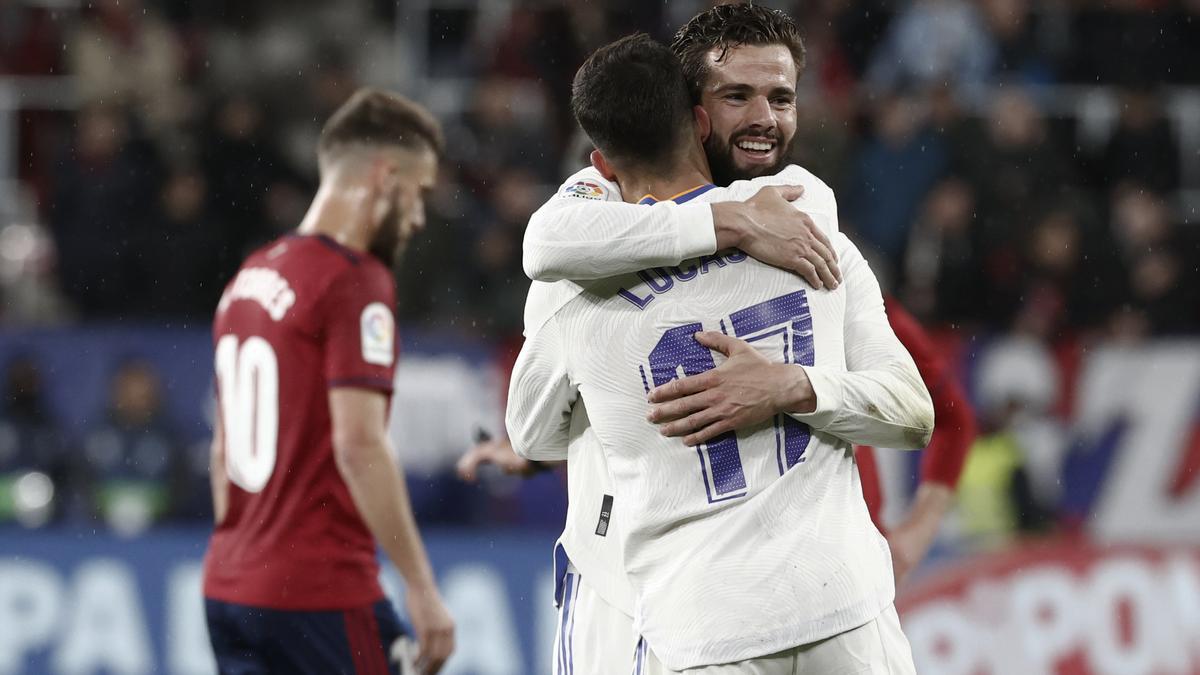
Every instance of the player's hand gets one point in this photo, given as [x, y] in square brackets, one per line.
[770, 229]
[433, 626]
[911, 540]
[744, 390]
[494, 451]
[907, 552]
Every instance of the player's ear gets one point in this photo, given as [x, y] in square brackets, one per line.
[602, 165]
[703, 123]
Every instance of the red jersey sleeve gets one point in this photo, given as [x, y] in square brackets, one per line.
[359, 329]
[954, 425]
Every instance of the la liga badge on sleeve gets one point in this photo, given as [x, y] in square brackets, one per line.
[586, 189]
[378, 334]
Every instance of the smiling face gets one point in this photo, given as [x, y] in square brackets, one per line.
[750, 97]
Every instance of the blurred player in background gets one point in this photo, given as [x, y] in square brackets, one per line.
[784, 508]
[304, 477]
[941, 461]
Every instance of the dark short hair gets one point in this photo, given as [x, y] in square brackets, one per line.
[728, 26]
[373, 117]
[632, 102]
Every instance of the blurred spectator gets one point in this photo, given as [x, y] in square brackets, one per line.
[135, 465]
[894, 169]
[1018, 172]
[34, 485]
[328, 80]
[241, 168]
[1121, 42]
[1012, 159]
[1020, 55]
[942, 279]
[498, 285]
[934, 43]
[29, 292]
[828, 69]
[504, 129]
[183, 259]
[29, 41]
[430, 292]
[1185, 66]
[1162, 291]
[859, 27]
[102, 200]
[123, 54]
[1011, 479]
[1143, 147]
[824, 138]
[995, 502]
[1069, 275]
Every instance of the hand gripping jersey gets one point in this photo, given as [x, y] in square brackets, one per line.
[756, 541]
[302, 315]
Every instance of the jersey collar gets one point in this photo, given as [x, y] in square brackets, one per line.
[682, 197]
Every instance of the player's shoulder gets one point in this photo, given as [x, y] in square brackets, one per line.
[317, 265]
[323, 260]
[588, 185]
[546, 299]
[816, 191]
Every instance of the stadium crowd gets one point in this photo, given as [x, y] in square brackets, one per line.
[1013, 169]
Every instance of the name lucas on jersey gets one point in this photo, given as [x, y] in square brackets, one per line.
[660, 280]
[264, 286]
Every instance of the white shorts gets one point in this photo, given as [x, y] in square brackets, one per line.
[875, 648]
[593, 637]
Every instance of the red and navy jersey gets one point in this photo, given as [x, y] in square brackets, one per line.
[302, 315]
[954, 421]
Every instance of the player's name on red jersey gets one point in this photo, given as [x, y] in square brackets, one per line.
[264, 286]
[303, 314]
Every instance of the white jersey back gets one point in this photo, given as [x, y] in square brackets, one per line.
[756, 541]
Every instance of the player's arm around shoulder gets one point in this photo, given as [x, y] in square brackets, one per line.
[587, 231]
[786, 221]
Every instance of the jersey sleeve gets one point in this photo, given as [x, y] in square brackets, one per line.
[879, 399]
[954, 420]
[585, 231]
[359, 330]
[540, 397]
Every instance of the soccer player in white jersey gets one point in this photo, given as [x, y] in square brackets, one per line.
[752, 552]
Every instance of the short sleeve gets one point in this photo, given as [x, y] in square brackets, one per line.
[359, 329]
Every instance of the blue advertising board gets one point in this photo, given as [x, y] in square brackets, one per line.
[82, 602]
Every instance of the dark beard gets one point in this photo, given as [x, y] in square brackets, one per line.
[725, 171]
[386, 245]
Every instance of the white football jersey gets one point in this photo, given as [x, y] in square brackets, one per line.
[758, 540]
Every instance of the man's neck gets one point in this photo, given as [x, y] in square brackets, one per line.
[336, 212]
[664, 185]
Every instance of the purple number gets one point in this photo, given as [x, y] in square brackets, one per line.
[677, 354]
[772, 318]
